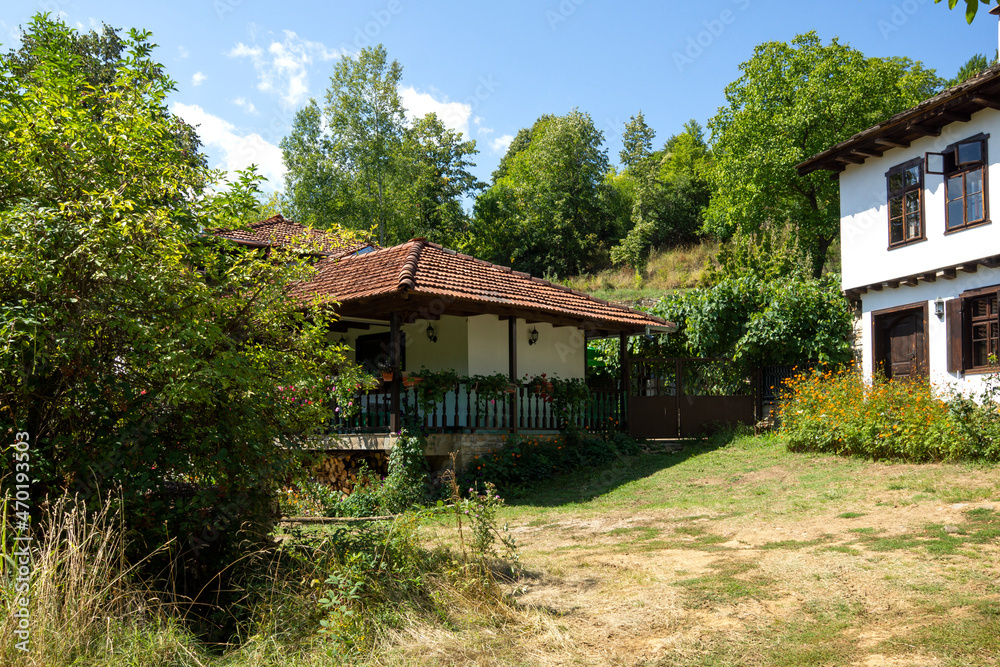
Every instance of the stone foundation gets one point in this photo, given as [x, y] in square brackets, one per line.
[466, 446]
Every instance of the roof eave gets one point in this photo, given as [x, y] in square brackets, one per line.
[955, 104]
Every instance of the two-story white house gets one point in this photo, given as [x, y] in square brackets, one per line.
[920, 254]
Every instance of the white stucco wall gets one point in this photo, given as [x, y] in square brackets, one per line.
[560, 351]
[864, 231]
[451, 351]
[478, 346]
[937, 342]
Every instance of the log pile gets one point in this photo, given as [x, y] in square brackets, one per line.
[339, 470]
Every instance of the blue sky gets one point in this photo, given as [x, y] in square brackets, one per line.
[243, 67]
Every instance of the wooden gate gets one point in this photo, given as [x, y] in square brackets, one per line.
[681, 398]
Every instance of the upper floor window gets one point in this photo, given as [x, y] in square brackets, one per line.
[964, 167]
[904, 184]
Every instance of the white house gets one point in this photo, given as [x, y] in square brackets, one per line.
[419, 305]
[920, 255]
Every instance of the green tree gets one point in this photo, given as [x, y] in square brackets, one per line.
[136, 352]
[548, 213]
[792, 101]
[971, 68]
[355, 163]
[637, 143]
[669, 193]
[317, 188]
[440, 179]
[366, 120]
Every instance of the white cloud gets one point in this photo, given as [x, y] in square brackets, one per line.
[501, 144]
[246, 105]
[238, 151]
[454, 115]
[198, 79]
[13, 34]
[182, 52]
[283, 68]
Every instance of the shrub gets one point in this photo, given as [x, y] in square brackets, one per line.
[406, 484]
[837, 411]
[524, 460]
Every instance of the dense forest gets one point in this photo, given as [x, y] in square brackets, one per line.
[556, 204]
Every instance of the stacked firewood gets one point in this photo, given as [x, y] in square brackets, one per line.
[340, 470]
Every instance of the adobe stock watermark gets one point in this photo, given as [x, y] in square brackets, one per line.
[899, 17]
[21, 555]
[704, 39]
[562, 12]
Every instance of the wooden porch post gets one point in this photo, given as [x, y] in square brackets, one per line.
[623, 362]
[512, 368]
[394, 359]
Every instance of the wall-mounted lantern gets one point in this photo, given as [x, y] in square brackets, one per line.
[939, 308]
[431, 334]
[533, 336]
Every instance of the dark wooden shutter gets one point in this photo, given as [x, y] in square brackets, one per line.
[954, 331]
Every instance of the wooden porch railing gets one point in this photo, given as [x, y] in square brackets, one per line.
[464, 410]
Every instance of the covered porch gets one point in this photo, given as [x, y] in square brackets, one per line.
[421, 307]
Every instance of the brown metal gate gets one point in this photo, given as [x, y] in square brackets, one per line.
[686, 397]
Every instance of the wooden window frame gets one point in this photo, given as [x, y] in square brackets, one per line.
[959, 321]
[954, 169]
[901, 193]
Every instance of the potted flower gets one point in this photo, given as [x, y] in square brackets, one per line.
[433, 386]
[410, 381]
[491, 387]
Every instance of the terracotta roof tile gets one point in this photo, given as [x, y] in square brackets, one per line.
[277, 231]
[421, 267]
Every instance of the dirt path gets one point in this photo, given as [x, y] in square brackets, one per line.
[669, 587]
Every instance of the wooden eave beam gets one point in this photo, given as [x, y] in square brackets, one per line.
[892, 284]
[875, 287]
[969, 268]
[850, 159]
[955, 116]
[910, 281]
[929, 277]
[925, 130]
[987, 101]
[867, 152]
[948, 274]
[893, 143]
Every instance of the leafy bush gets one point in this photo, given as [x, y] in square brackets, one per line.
[138, 352]
[406, 483]
[524, 460]
[836, 411]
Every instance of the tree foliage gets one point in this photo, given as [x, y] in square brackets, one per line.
[548, 209]
[355, 162]
[668, 190]
[971, 68]
[137, 352]
[439, 178]
[761, 308]
[971, 7]
[794, 100]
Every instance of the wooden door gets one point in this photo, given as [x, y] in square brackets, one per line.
[901, 343]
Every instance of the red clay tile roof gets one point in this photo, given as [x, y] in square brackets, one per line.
[419, 267]
[277, 231]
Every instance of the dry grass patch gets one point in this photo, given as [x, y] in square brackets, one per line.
[747, 554]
